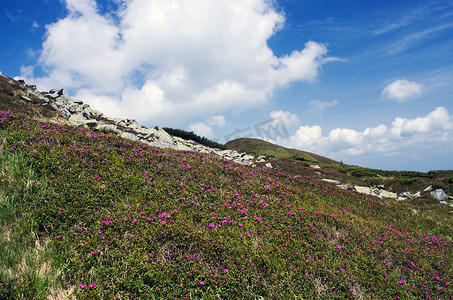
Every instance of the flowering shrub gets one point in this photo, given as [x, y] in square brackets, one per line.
[133, 221]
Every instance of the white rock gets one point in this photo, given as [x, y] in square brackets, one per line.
[77, 119]
[315, 167]
[335, 182]
[25, 98]
[429, 188]
[107, 127]
[439, 194]
[362, 189]
[268, 165]
[387, 194]
[129, 136]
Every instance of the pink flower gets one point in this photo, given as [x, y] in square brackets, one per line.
[201, 282]
[401, 282]
[211, 225]
[342, 270]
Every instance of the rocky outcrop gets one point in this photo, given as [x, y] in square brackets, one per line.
[80, 114]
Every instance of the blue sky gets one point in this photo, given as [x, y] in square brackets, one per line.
[366, 82]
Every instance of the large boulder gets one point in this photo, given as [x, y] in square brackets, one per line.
[362, 189]
[387, 194]
[129, 136]
[439, 194]
[77, 119]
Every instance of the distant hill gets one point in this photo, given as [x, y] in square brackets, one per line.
[91, 213]
[260, 147]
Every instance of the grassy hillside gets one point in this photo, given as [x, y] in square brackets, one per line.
[89, 214]
[260, 147]
[298, 162]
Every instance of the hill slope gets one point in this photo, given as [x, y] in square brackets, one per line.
[88, 213]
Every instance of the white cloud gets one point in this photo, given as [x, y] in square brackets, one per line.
[202, 129]
[35, 25]
[185, 57]
[218, 121]
[433, 131]
[288, 118]
[319, 106]
[402, 90]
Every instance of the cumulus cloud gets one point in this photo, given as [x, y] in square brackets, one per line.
[218, 121]
[402, 90]
[288, 118]
[183, 58]
[433, 130]
[202, 129]
[319, 106]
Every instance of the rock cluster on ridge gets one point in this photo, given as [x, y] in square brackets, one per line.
[79, 114]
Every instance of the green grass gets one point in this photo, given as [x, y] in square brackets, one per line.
[28, 265]
[127, 220]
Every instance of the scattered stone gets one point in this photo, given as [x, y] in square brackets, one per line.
[334, 182]
[443, 202]
[439, 194]
[268, 165]
[429, 188]
[343, 186]
[315, 167]
[417, 194]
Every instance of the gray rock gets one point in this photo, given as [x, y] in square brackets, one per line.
[334, 182]
[343, 186]
[52, 96]
[429, 188]
[362, 189]
[64, 112]
[407, 195]
[75, 109]
[91, 123]
[107, 127]
[443, 202]
[77, 119]
[439, 194]
[129, 136]
[88, 112]
[25, 98]
[387, 194]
